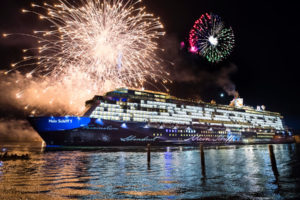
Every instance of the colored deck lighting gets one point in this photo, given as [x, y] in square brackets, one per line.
[146, 126]
[100, 122]
[124, 125]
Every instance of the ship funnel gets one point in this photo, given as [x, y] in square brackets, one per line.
[237, 102]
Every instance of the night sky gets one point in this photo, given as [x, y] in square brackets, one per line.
[263, 65]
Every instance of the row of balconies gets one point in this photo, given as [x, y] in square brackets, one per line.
[116, 110]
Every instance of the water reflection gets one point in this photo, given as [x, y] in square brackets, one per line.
[241, 172]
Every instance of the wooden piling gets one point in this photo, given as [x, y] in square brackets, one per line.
[148, 153]
[297, 139]
[202, 159]
[273, 161]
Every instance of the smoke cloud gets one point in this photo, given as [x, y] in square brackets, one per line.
[190, 69]
[223, 80]
[16, 131]
[45, 95]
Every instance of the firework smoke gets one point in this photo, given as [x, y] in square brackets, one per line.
[89, 48]
[16, 131]
[34, 94]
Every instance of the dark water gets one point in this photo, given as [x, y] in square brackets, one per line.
[232, 172]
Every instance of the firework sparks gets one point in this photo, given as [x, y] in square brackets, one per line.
[210, 39]
[90, 48]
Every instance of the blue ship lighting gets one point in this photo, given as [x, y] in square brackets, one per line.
[146, 126]
[59, 123]
[53, 146]
[124, 125]
[100, 122]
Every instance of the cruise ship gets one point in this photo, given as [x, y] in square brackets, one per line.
[139, 117]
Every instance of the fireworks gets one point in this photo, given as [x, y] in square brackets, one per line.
[92, 47]
[210, 39]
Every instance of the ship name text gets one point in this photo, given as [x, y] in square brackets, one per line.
[60, 121]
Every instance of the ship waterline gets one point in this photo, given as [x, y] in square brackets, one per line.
[135, 117]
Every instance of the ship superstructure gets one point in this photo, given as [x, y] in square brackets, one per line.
[133, 117]
[147, 106]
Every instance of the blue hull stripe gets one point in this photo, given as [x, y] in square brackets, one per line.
[44, 124]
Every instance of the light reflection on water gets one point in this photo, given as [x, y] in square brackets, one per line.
[235, 172]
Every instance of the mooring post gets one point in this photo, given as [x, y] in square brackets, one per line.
[273, 161]
[148, 152]
[202, 159]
